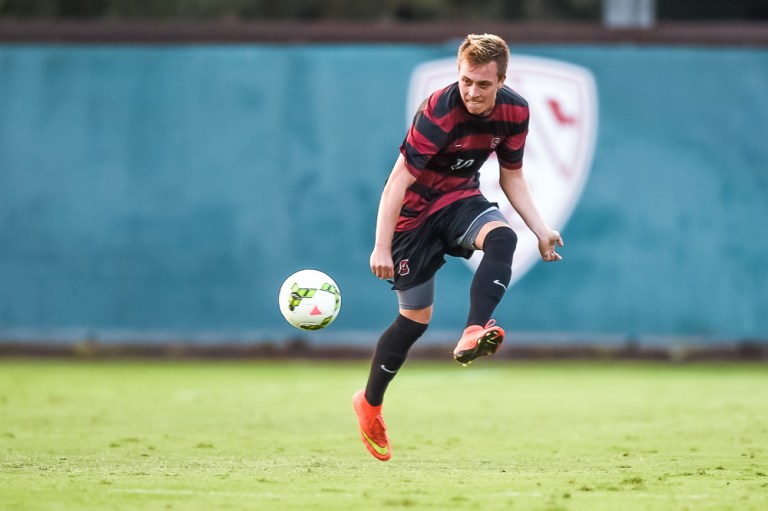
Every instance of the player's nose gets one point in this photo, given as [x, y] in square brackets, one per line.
[473, 92]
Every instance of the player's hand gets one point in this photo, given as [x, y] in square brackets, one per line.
[381, 263]
[548, 244]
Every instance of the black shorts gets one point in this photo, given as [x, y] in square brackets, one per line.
[420, 252]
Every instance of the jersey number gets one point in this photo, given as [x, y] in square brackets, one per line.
[462, 164]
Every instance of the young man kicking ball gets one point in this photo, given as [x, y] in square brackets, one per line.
[432, 206]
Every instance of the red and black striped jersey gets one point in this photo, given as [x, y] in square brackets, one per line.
[446, 146]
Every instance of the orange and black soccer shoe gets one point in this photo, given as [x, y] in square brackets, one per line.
[373, 431]
[478, 341]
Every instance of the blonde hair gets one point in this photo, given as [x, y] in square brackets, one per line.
[483, 49]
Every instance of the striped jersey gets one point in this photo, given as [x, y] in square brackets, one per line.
[446, 146]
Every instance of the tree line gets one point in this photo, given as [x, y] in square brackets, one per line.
[396, 10]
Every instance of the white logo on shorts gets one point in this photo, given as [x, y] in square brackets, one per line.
[561, 141]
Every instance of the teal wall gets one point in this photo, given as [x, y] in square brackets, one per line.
[151, 190]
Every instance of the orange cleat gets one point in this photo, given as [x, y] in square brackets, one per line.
[372, 429]
[478, 341]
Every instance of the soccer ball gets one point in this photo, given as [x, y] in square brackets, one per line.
[309, 300]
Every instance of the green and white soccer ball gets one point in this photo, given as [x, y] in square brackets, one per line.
[309, 300]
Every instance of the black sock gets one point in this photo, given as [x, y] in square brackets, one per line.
[390, 354]
[492, 275]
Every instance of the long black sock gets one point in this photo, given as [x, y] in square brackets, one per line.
[389, 356]
[492, 275]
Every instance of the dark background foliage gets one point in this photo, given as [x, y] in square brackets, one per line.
[398, 10]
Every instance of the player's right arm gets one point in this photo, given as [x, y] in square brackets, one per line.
[389, 210]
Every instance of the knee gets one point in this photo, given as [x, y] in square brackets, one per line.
[501, 243]
[423, 316]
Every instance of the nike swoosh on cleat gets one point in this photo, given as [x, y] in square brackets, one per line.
[376, 447]
[387, 370]
[499, 283]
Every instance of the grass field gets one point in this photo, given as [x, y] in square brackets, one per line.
[137, 435]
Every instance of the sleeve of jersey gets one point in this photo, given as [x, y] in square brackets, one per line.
[423, 141]
[510, 153]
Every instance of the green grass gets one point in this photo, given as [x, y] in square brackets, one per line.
[136, 435]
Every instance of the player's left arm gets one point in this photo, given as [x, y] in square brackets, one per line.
[516, 188]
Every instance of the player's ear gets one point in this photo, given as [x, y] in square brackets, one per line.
[502, 79]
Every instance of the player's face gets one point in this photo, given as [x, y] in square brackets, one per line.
[478, 86]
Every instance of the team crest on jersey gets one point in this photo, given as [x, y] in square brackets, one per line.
[403, 268]
[561, 139]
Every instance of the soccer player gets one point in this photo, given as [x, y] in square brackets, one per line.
[431, 206]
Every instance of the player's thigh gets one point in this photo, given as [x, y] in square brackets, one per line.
[415, 303]
[487, 228]
[417, 256]
[474, 224]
